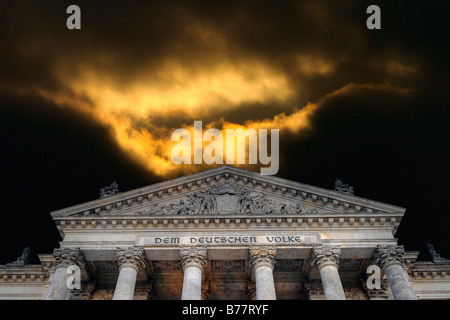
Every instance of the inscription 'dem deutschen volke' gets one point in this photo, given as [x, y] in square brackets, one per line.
[228, 240]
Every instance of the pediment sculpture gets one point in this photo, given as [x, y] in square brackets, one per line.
[226, 199]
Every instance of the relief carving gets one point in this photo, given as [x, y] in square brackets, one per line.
[262, 256]
[390, 254]
[85, 293]
[325, 255]
[193, 256]
[226, 199]
[131, 257]
[103, 294]
[67, 256]
[288, 265]
[166, 265]
[228, 265]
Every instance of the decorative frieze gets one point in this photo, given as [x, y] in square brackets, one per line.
[145, 221]
[288, 265]
[228, 265]
[241, 180]
[226, 198]
[432, 274]
[25, 276]
[166, 265]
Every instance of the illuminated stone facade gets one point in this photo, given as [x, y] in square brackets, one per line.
[228, 233]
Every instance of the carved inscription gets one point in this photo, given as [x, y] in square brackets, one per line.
[229, 240]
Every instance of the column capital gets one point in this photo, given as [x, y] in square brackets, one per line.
[193, 257]
[131, 257]
[387, 255]
[65, 257]
[325, 255]
[262, 255]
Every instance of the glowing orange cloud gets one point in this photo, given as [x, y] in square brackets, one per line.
[208, 87]
[151, 145]
[128, 111]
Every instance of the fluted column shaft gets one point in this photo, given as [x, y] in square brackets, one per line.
[262, 262]
[130, 261]
[64, 257]
[193, 262]
[390, 259]
[326, 260]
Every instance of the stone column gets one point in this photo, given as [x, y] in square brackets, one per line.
[64, 257]
[326, 260]
[390, 259]
[193, 262]
[130, 261]
[262, 262]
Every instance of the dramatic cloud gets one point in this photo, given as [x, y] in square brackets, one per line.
[82, 108]
[144, 71]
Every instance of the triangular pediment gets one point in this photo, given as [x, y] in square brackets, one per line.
[227, 190]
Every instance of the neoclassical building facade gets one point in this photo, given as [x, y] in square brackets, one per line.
[228, 233]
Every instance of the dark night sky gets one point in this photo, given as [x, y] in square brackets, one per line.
[82, 108]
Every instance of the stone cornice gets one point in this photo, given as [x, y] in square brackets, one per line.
[311, 220]
[430, 270]
[29, 273]
[410, 258]
[428, 274]
[294, 190]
